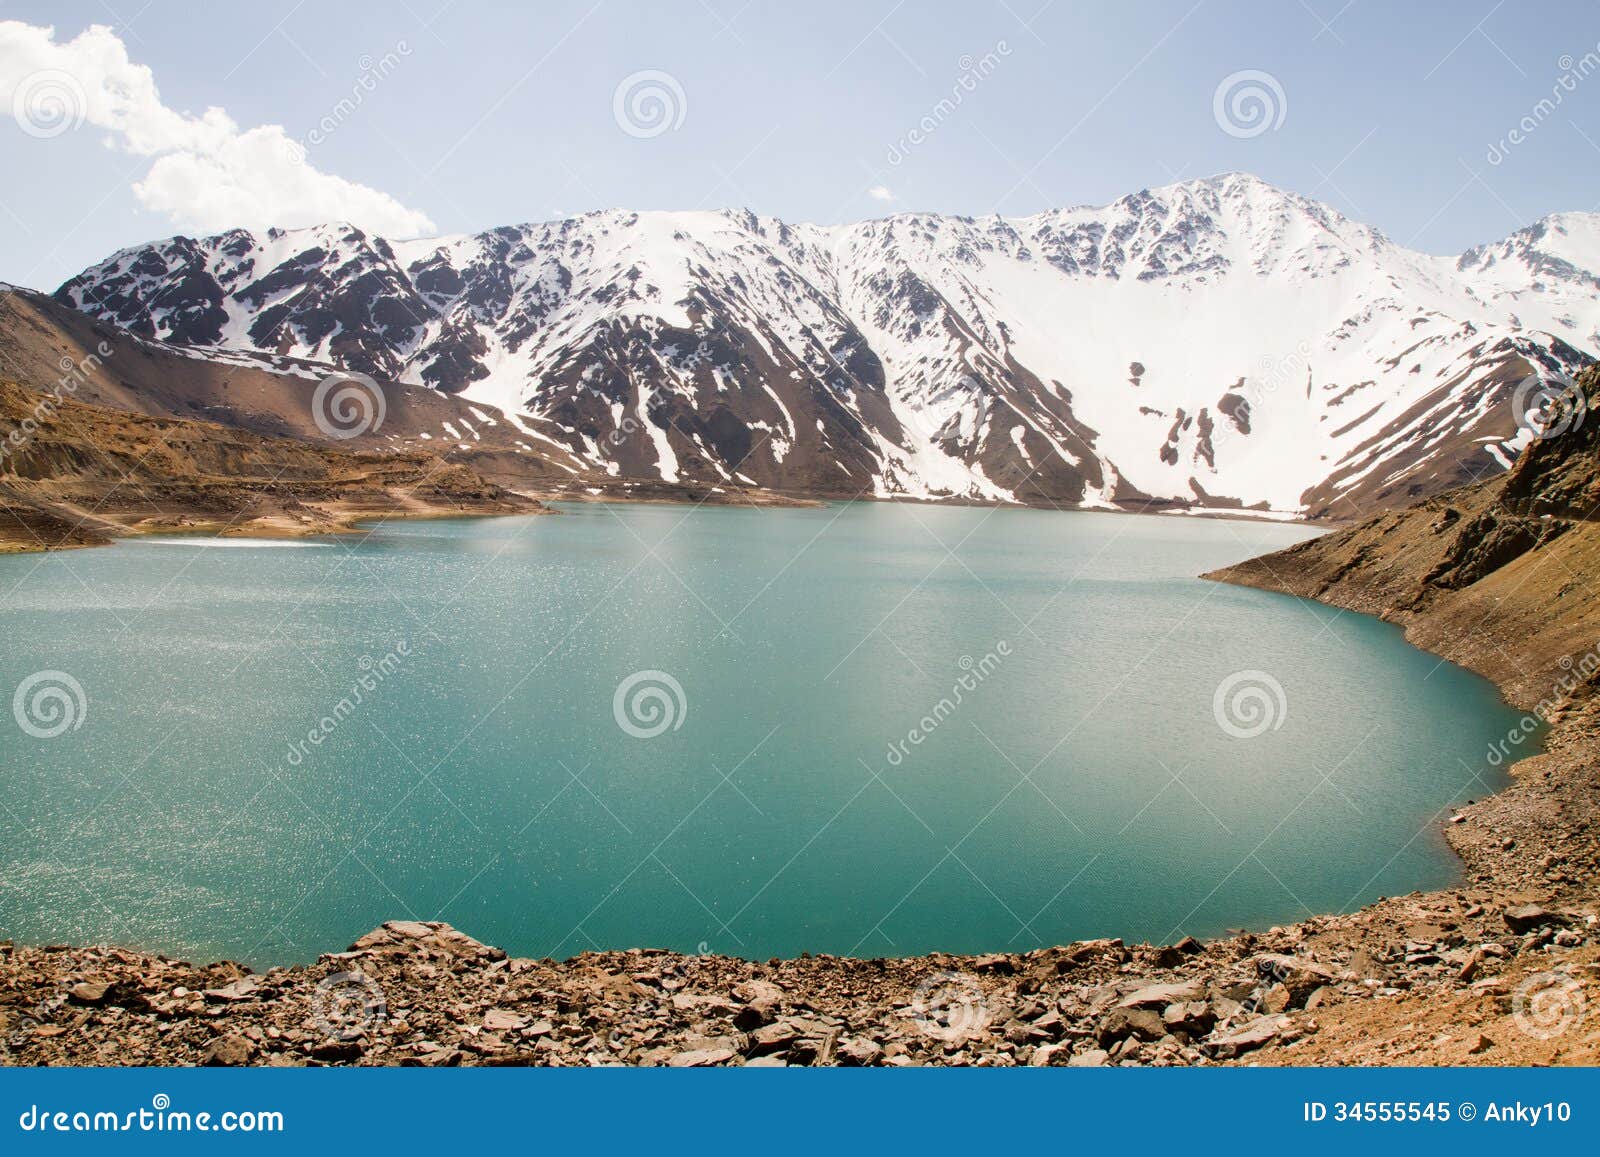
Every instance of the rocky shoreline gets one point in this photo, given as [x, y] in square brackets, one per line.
[1441, 978]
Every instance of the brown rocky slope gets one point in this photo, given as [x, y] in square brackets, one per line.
[48, 347]
[1502, 969]
[84, 474]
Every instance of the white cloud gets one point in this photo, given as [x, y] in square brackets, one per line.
[208, 174]
[880, 193]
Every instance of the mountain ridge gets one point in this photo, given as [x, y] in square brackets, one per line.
[1149, 353]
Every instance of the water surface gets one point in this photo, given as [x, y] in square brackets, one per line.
[816, 787]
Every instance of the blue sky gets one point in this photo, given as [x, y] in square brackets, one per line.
[495, 113]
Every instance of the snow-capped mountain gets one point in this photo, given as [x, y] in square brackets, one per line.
[1215, 343]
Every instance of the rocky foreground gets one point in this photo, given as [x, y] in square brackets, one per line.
[1444, 978]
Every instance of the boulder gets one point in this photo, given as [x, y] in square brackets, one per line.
[761, 1002]
[336, 1050]
[774, 1037]
[230, 1050]
[700, 1058]
[1046, 1055]
[1322, 997]
[1121, 1023]
[1236, 1042]
[245, 988]
[1527, 917]
[92, 993]
[503, 1020]
[1299, 975]
[1278, 998]
[858, 1050]
[1172, 955]
[434, 1059]
[1161, 995]
[998, 963]
[816, 1047]
[1194, 1017]
[426, 935]
[762, 992]
[1050, 1026]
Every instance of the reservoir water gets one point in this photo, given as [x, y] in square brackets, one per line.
[869, 729]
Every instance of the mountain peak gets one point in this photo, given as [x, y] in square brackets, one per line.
[1212, 342]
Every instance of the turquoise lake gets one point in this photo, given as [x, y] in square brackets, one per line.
[869, 729]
